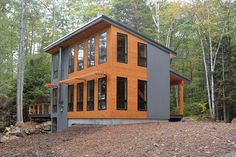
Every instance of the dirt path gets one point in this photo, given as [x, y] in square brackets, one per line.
[156, 139]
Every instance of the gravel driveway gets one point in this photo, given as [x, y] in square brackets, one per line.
[153, 139]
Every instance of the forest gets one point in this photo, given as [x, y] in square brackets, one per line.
[201, 32]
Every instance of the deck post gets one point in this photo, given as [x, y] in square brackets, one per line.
[181, 98]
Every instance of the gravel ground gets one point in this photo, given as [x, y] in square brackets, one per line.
[153, 139]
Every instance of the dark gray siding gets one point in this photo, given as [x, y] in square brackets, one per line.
[61, 114]
[158, 89]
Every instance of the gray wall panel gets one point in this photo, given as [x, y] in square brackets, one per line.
[158, 104]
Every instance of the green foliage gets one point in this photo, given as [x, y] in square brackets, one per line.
[195, 109]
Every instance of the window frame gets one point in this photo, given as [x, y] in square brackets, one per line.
[89, 52]
[99, 49]
[78, 69]
[68, 109]
[105, 94]
[81, 85]
[55, 59]
[126, 94]
[139, 56]
[88, 102]
[126, 49]
[54, 100]
[71, 65]
[145, 102]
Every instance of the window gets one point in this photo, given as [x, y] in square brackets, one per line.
[70, 98]
[122, 48]
[142, 95]
[102, 91]
[142, 54]
[103, 47]
[90, 95]
[121, 93]
[91, 52]
[80, 96]
[55, 65]
[80, 56]
[54, 100]
[71, 60]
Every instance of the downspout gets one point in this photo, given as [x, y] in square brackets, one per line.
[61, 106]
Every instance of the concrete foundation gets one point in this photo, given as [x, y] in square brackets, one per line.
[111, 121]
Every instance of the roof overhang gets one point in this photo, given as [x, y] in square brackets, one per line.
[112, 22]
[176, 78]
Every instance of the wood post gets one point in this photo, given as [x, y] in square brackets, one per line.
[181, 98]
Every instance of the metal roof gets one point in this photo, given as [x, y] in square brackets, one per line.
[180, 76]
[112, 22]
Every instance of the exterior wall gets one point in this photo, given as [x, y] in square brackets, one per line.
[61, 114]
[112, 68]
[158, 83]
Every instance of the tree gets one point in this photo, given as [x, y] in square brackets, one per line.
[20, 65]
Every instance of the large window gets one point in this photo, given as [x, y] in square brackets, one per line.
[102, 92]
[122, 48]
[142, 95]
[80, 96]
[91, 52]
[103, 47]
[54, 100]
[121, 93]
[55, 61]
[80, 56]
[142, 54]
[90, 95]
[70, 98]
[71, 60]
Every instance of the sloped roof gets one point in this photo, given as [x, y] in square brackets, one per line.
[114, 23]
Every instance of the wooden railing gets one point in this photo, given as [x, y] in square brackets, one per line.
[43, 108]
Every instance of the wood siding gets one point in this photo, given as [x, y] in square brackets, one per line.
[113, 69]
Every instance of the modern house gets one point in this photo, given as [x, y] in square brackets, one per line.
[106, 73]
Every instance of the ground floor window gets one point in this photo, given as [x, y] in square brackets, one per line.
[121, 94]
[102, 91]
[54, 100]
[70, 98]
[90, 95]
[80, 95]
[142, 95]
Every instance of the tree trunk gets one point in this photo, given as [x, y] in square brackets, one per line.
[20, 66]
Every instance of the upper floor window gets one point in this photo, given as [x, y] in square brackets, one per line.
[102, 92]
[90, 95]
[103, 47]
[121, 97]
[71, 60]
[122, 48]
[80, 96]
[91, 52]
[70, 98]
[142, 54]
[55, 62]
[80, 56]
[142, 95]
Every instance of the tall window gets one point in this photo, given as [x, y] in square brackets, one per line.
[102, 92]
[70, 98]
[80, 56]
[71, 60]
[54, 100]
[122, 48]
[90, 95]
[55, 61]
[142, 54]
[121, 93]
[91, 52]
[103, 47]
[142, 95]
[80, 96]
